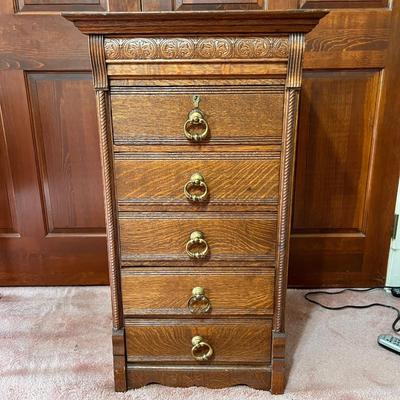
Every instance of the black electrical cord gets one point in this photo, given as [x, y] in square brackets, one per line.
[395, 322]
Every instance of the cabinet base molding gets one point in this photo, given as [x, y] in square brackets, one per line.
[119, 359]
[278, 363]
[214, 377]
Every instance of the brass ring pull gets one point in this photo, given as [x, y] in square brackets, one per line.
[196, 181]
[195, 119]
[196, 240]
[199, 302]
[201, 350]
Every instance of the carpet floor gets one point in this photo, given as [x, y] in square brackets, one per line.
[55, 344]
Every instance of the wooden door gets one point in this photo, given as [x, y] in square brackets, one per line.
[348, 158]
[51, 206]
[347, 164]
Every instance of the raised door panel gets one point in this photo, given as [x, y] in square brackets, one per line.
[64, 115]
[33, 254]
[198, 5]
[202, 5]
[335, 4]
[349, 39]
[335, 142]
[7, 196]
[59, 5]
[334, 167]
[51, 205]
[334, 215]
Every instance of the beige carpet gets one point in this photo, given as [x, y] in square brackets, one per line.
[55, 344]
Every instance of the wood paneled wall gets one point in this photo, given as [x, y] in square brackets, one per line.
[51, 206]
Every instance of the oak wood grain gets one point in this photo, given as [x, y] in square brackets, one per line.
[8, 216]
[278, 378]
[193, 5]
[196, 49]
[238, 341]
[119, 360]
[349, 39]
[157, 115]
[42, 6]
[334, 152]
[272, 145]
[201, 82]
[332, 4]
[155, 291]
[211, 376]
[197, 22]
[159, 179]
[31, 255]
[64, 163]
[385, 173]
[124, 5]
[239, 69]
[149, 238]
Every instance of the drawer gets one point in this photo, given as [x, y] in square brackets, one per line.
[172, 341]
[200, 238]
[233, 114]
[227, 179]
[198, 291]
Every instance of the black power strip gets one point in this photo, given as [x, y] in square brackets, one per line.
[395, 292]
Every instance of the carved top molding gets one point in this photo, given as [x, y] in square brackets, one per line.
[166, 23]
[196, 48]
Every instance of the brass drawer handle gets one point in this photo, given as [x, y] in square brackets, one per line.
[195, 119]
[196, 181]
[201, 350]
[197, 240]
[199, 302]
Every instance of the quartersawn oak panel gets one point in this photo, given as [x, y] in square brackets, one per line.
[242, 238]
[196, 23]
[332, 183]
[28, 256]
[41, 6]
[352, 39]
[232, 179]
[236, 341]
[7, 195]
[64, 115]
[233, 114]
[333, 163]
[237, 292]
[314, 4]
[198, 5]
[239, 69]
[212, 376]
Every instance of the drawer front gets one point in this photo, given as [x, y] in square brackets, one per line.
[233, 114]
[161, 179]
[166, 292]
[233, 341]
[226, 238]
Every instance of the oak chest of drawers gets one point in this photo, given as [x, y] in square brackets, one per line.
[197, 117]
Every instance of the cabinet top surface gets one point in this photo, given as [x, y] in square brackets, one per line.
[199, 22]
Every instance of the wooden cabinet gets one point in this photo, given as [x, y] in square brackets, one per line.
[197, 116]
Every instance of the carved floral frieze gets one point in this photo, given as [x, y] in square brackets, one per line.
[196, 48]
